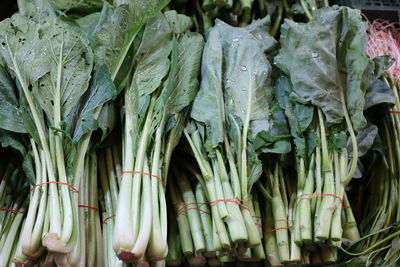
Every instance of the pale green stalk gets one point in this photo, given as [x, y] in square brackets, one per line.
[280, 218]
[304, 205]
[32, 231]
[205, 217]
[182, 220]
[193, 215]
[146, 215]
[157, 245]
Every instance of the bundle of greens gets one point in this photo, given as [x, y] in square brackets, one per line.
[231, 118]
[63, 76]
[13, 206]
[379, 196]
[190, 236]
[326, 76]
[109, 167]
[51, 62]
[88, 249]
[163, 84]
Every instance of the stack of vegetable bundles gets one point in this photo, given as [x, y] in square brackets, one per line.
[144, 133]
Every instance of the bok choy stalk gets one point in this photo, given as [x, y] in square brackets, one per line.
[88, 250]
[231, 108]
[164, 82]
[109, 166]
[13, 202]
[328, 75]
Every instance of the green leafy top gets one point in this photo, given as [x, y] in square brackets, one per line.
[167, 66]
[326, 58]
[327, 68]
[236, 78]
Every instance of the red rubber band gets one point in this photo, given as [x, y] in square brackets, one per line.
[232, 200]
[394, 111]
[346, 207]
[258, 224]
[84, 206]
[277, 229]
[106, 219]
[320, 195]
[17, 211]
[257, 217]
[184, 207]
[145, 173]
[180, 212]
[54, 182]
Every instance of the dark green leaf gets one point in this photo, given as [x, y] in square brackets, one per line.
[100, 91]
[379, 93]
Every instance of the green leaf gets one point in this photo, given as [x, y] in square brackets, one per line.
[326, 58]
[89, 24]
[208, 105]
[182, 82]
[254, 167]
[365, 140]
[29, 168]
[178, 22]
[8, 139]
[379, 93]
[70, 60]
[338, 139]
[85, 6]
[152, 55]
[10, 112]
[235, 78]
[119, 29]
[186, 83]
[100, 91]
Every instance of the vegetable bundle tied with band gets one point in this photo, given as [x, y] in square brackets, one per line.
[326, 73]
[163, 84]
[230, 112]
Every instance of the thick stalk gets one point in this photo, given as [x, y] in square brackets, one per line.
[146, 220]
[55, 224]
[31, 236]
[270, 242]
[205, 217]
[280, 218]
[182, 220]
[304, 206]
[125, 212]
[196, 227]
[157, 244]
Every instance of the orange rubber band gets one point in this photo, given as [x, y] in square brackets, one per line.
[320, 195]
[277, 229]
[180, 212]
[84, 206]
[232, 200]
[106, 219]
[54, 182]
[145, 173]
[17, 211]
[185, 209]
